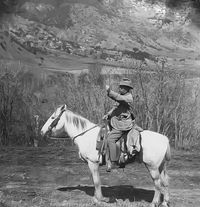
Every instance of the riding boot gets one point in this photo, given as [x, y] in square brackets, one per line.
[115, 165]
[112, 165]
[109, 166]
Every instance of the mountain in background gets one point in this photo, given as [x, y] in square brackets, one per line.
[58, 34]
[50, 39]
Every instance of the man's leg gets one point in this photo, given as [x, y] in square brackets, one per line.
[113, 137]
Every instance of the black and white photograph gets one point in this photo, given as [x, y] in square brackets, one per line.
[99, 103]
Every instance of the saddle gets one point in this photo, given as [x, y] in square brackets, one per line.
[124, 145]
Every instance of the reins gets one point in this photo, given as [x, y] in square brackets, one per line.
[73, 139]
[54, 123]
[83, 132]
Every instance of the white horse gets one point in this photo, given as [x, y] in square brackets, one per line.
[156, 150]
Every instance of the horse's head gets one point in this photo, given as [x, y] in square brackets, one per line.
[55, 124]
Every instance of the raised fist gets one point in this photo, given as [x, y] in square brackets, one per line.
[107, 87]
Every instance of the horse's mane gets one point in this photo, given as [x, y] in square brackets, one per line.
[77, 120]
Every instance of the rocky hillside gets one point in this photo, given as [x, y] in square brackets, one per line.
[114, 31]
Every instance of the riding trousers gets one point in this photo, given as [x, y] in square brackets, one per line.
[113, 136]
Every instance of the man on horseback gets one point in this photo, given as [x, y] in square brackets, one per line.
[121, 121]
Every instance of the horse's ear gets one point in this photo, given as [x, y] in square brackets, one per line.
[64, 107]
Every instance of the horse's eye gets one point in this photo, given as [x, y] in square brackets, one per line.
[52, 117]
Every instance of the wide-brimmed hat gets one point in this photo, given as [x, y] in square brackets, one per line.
[126, 82]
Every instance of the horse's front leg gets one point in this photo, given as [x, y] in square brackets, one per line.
[94, 168]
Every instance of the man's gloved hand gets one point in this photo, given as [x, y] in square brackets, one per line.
[105, 117]
[107, 87]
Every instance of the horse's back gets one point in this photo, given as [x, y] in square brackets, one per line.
[154, 146]
[153, 137]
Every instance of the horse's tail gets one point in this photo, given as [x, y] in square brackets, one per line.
[168, 153]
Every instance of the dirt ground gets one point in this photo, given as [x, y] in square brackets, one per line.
[55, 177]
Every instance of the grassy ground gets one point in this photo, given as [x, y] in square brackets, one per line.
[55, 177]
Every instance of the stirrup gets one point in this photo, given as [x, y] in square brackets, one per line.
[123, 158]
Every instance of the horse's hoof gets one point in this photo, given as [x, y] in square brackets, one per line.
[108, 169]
[95, 200]
[103, 199]
[153, 205]
[164, 204]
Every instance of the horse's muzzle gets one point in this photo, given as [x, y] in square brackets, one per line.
[47, 133]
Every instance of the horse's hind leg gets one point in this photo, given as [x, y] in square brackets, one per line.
[165, 187]
[157, 183]
[94, 168]
[160, 179]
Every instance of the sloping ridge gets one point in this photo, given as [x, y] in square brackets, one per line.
[10, 50]
[17, 57]
[12, 53]
[90, 26]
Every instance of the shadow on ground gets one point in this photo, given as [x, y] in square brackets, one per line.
[118, 192]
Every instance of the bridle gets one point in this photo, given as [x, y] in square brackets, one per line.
[55, 122]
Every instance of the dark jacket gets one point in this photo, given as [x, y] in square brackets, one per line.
[120, 115]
